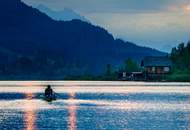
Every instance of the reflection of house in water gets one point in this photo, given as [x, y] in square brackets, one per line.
[155, 68]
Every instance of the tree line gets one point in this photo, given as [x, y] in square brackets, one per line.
[180, 57]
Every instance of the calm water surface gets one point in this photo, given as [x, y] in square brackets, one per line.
[95, 106]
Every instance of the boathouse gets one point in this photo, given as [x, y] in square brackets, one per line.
[156, 68]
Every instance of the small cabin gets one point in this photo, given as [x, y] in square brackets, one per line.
[155, 68]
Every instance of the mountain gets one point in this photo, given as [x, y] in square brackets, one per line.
[65, 15]
[33, 44]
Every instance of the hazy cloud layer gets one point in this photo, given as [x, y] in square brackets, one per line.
[159, 30]
[112, 5]
[156, 23]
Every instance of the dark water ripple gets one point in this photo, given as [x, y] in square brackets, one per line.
[95, 111]
[166, 97]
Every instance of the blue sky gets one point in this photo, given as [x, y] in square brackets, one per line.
[160, 24]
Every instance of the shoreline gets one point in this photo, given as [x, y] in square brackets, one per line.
[90, 83]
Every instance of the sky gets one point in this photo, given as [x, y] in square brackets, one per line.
[160, 24]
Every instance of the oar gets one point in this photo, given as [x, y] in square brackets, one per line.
[56, 94]
[39, 96]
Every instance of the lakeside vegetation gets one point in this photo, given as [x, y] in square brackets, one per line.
[180, 57]
[180, 72]
[110, 73]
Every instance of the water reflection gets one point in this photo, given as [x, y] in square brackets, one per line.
[30, 112]
[96, 107]
[72, 113]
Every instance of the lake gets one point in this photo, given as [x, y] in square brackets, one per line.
[88, 105]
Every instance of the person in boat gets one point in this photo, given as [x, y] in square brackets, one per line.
[48, 92]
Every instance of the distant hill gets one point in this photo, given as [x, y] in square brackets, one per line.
[31, 43]
[66, 14]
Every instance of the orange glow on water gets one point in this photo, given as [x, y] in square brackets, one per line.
[29, 115]
[72, 113]
[71, 96]
[30, 120]
[29, 96]
[72, 117]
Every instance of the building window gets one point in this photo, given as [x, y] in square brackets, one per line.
[153, 69]
[166, 69]
[124, 74]
[159, 70]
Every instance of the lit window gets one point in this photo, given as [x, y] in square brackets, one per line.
[153, 69]
[124, 74]
[166, 69]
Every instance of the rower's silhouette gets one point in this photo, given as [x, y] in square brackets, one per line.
[48, 91]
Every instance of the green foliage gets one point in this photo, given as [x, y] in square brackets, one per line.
[108, 69]
[130, 66]
[181, 57]
[181, 63]
[178, 77]
[110, 73]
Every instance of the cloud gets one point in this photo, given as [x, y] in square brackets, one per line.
[156, 23]
[111, 5]
[148, 29]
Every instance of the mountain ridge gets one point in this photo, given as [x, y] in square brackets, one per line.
[66, 14]
[59, 47]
